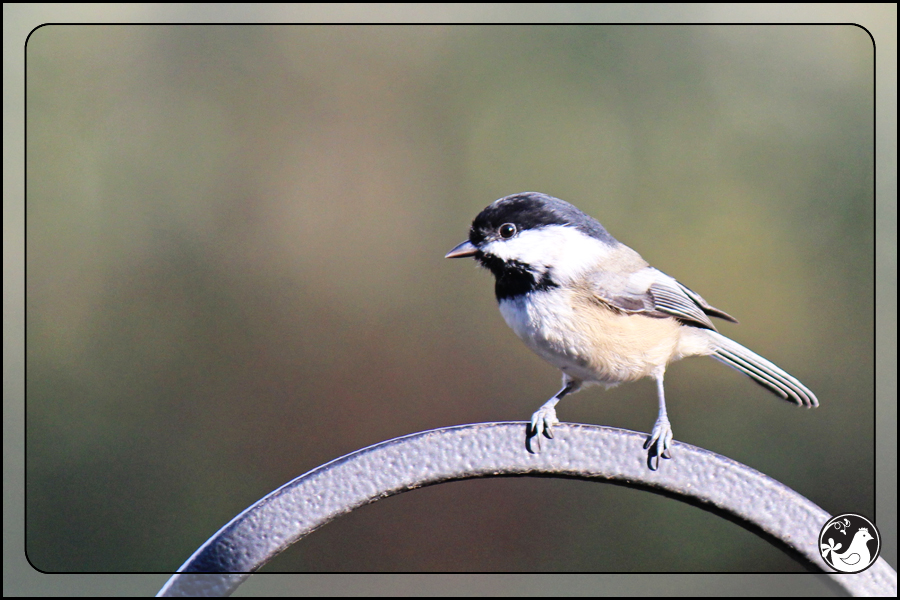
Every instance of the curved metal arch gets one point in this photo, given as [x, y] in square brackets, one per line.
[590, 452]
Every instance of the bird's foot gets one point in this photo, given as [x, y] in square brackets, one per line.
[659, 443]
[542, 422]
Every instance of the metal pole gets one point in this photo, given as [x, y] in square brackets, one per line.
[699, 477]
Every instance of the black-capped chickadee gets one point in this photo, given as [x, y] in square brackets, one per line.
[595, 309]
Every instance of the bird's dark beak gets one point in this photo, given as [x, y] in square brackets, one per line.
[463, 250]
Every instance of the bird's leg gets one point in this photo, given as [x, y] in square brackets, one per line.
[661, 436]
[544, 418]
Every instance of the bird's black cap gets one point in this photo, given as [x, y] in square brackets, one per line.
[531, 210]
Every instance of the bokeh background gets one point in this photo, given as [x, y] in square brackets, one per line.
[235, 273]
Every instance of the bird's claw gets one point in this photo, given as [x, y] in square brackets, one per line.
[660, 439]
[542, 422]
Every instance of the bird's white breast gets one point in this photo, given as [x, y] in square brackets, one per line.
[547, 324]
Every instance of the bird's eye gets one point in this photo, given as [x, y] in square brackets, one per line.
[507, 230]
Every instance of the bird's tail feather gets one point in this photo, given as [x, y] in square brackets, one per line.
[761, 371]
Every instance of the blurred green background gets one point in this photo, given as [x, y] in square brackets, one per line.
[235, 273]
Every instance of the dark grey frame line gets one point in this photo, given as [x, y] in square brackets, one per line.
[590, 452]
[635, 483]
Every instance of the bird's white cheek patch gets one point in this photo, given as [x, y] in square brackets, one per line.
[564, 250]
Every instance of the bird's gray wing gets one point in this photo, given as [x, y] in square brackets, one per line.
[653, 293]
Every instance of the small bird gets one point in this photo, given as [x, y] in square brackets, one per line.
[592, 307]
[854, 558]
